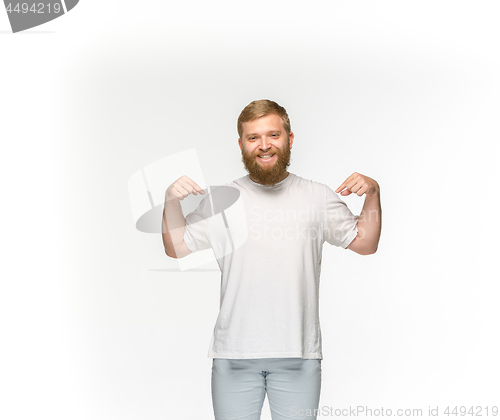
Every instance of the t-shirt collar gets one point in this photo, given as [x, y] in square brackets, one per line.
[282, 184]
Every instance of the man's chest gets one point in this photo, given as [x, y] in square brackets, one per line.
[270, 224]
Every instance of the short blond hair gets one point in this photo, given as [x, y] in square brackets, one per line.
[261, 108]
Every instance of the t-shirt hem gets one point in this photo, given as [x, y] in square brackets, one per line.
[188, 242]
[264, 355]
[350, 238]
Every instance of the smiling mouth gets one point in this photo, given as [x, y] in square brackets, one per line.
[266, 158]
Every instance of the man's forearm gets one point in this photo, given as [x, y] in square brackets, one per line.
[370, 222]
[173, 226]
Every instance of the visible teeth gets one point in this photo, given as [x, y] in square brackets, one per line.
[266, 156]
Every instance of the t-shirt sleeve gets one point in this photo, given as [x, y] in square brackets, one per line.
[340, 225]
[197, 230]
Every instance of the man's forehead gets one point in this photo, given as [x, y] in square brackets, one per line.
[270, 122]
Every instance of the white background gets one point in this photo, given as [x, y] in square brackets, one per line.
[93, 324]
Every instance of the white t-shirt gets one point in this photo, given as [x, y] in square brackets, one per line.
[268, 246]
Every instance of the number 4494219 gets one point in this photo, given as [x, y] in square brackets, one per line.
[471, 411]
[34, 8]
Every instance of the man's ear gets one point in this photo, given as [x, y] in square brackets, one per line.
[239, 144]
[290, 138]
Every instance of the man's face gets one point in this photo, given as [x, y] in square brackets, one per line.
[261, 137]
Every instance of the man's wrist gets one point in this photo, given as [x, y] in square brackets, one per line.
[375, 194]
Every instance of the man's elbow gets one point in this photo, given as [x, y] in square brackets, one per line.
[365, 251]
[178, 251]
[170, 254]
[370, 251]
[359, 246]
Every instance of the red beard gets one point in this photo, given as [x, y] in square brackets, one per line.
[268, 174]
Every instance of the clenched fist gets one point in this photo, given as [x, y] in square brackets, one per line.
[359, 184]
[181, 188]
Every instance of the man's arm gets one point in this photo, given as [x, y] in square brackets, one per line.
[173, 221]
[370, 219]
[173, 239]
[369, 227]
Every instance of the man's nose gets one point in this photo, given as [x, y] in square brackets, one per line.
[264, 143]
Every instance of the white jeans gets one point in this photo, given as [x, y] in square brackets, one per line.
[239, 387]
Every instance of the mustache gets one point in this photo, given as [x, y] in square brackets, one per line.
[270, 151]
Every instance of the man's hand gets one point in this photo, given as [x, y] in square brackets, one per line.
[359, 184]
[181, 188]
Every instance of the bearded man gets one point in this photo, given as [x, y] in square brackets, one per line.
[267, 337]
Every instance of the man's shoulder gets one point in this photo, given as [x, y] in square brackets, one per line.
[239, 181]
[309, 184]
